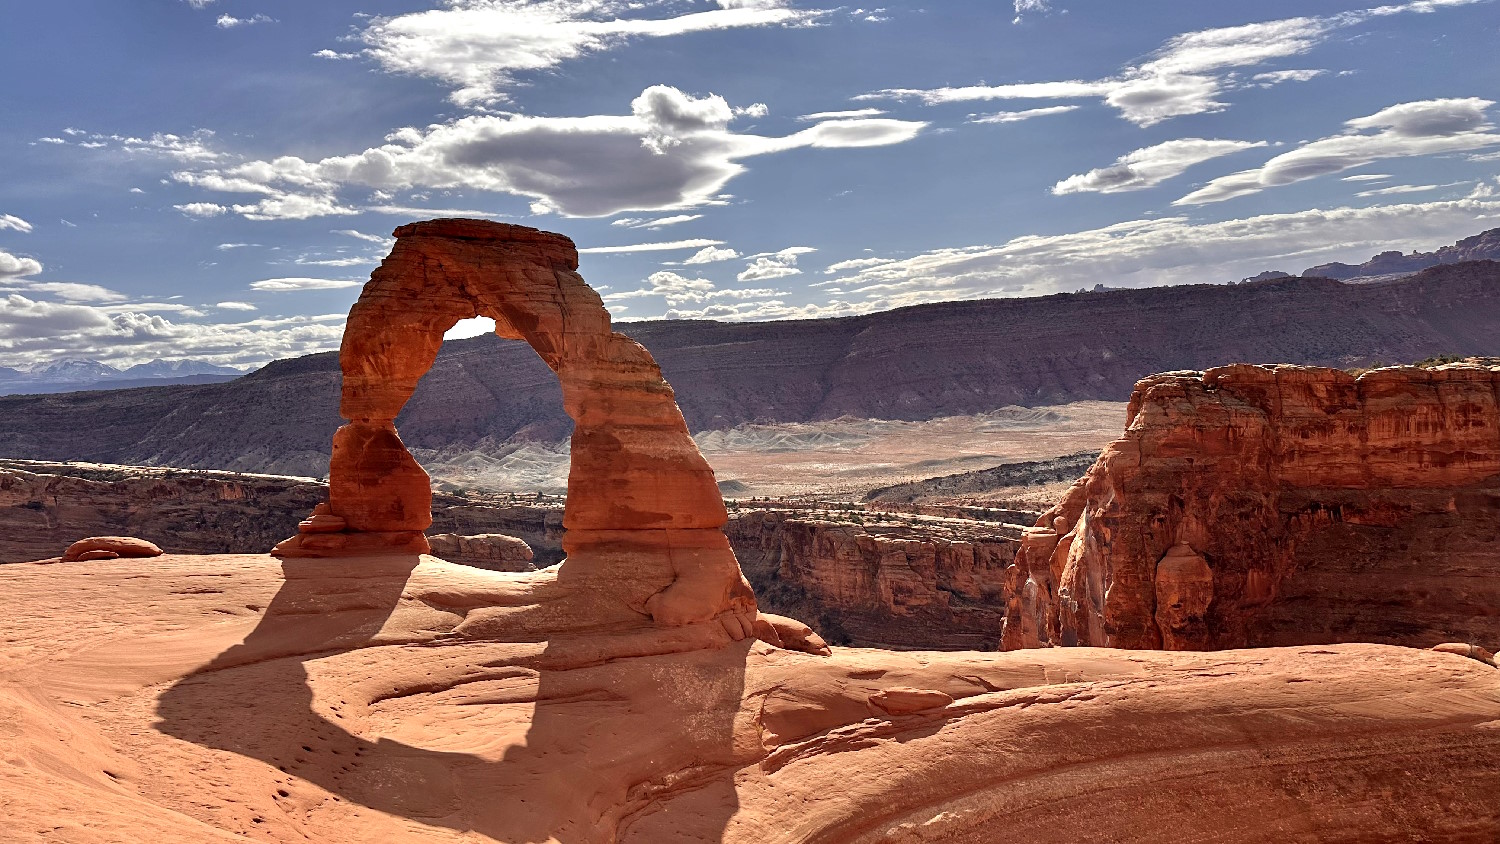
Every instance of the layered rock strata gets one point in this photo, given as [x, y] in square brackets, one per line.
[1278, 505]
[644, 518]
[881, 580]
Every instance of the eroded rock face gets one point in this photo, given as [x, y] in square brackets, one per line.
[644, 516]
[886, 581]
[1278, 505]
[494, 551]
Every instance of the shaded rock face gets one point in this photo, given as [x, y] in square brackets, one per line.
[1278, 505]
[644, 516]
[914, 583]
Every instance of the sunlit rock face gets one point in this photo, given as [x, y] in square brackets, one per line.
[644, 517]
[1278, 505]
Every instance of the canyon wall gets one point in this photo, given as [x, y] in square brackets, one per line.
[1278, 505]
[884, 580]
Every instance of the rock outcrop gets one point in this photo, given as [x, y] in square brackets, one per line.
[493, 551]
[644, 517]
[109, 548]
[1278, 505]
[233, 698]
[878, 579]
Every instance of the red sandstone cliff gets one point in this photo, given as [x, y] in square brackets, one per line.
[1278, 505]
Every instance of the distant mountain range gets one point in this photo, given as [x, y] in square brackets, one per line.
[72, 374]
[1484, 246]
[922, 362]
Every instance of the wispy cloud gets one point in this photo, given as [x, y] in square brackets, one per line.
[1017, 116]
[656, 223]
[1188, 73]
[230, 21]
[283, 285]
[1425, 127]
[662, 246]
[482, 47]
[1150, 166]
[14, 223]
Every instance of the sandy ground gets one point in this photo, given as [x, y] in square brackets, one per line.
[835, 457]
[230, 698]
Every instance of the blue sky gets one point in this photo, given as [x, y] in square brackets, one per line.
[215, 178]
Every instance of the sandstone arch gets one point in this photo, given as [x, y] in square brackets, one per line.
[644, 516]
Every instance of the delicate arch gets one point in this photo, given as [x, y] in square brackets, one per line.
[644, 515]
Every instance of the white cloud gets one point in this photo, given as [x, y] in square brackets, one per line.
[30, 329]
[235, 306]
[651, 247]
[66, 290]
[1187, 74]
[1027, 7]
[1366, 177]
[659, 222]
[281, 285]
[334, 55]
[1173, 250]
[678, 289]
[852, 113]
[202, 209]
[1150, 166]
[200, 4]
[1425, 127]
[229, 21]
[672, 152]
[10, 221]
[769, 265]
[368, 238]
[1276, 77]
[350, 261]
[1017, 116]
[480, 47]
[711, 255]
[16, 267]
[1397, 189]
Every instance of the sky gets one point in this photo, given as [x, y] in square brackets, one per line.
[215, 179]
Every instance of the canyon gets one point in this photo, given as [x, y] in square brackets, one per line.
[916, 363]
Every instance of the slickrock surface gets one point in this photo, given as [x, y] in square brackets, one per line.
[878, 579]
[1279, 505]
[644, 518]
[912, 364]
[200, 699]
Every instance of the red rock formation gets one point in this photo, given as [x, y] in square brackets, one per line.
[109, 548]
[493, 551]
[1277, 505]
[644, 516]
